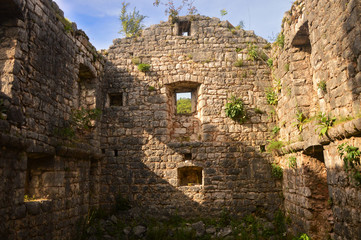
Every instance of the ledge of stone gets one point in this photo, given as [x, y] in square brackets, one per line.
[7, 140]
[339, 132]
[79, 150]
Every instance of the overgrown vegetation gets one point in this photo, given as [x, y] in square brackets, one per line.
[324, 122]
[173, 11]
[66, 22]
[81, 121]
[274, 145]
[235, 109]
[255, 53]
[322, 86]
[270, 62]
[271, 96]
[351, 159]
[276, 171]
[301, 121]
[280, 41]
[131, 22]
[184, 106]
[292, 161]
[144, 67]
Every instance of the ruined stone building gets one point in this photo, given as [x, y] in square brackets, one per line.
[164, 162]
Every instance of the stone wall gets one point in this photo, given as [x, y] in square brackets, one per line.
[149, 148]
[318, 69]
[48, 69]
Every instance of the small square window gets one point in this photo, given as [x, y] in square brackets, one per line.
[116, 99]
[184, 102]
[190, 176]
[184, 28]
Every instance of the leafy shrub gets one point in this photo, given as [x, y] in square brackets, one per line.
[324, 123]
[254, 53]
[144, 67]
[280, 41]
[351, 158]
[131, 22]
[271, 96]
[301, 121]
[83, 118]
[275, 130]
[235, 109]
[276, 171]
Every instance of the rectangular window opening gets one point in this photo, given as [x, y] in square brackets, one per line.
[184, 28]
[184, 102]
[190, 176]
[116, 99]
[115, 153]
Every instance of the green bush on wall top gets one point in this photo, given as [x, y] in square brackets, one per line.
[235, 109]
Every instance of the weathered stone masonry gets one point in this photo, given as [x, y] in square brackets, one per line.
[43, 67]
[164, 162]
[149, 147]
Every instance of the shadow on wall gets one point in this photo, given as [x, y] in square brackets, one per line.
[143, 163]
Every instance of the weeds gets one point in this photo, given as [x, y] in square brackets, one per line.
[351, 158]
[271, 96]
[301, 121]
[235, 109]
[238, 63]
[292, 162]
[324, 123]
[144, 67]
[276, 171]
[280, 41]
[322, 86]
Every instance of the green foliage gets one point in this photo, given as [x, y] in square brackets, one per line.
[274, 145]
[270, 62]
[173, 11]
[223, 12]
[131, 22]
[292, 162]
[255, 53]
[322, 86]
[280, 41]
[276, 171]
[151, 88]
[28, 198]
[235, 109]
[324, 123]
[303, 236]
[301, 121]
[275, 130]
[238, 50]
[66, 22]
[143, 67]
[238, 63]
[271, 96]
[66, 132]
[184, 106]
[82, 119]
[351, 158]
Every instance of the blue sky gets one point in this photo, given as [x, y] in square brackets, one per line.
[100, 18]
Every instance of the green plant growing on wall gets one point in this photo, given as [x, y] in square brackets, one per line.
[82, 119]
[223, 12]
[324, 123]
[238, 50]
[173, 11]
[258, 110]
[270, 62]
[131, 22]
[66, 22]
[235, 109]
[255, 54]
[292, 162]
[238, 63]
[271, 96]
[275, 130]
[280, 41]
[274, 145]
[322, 86]
[276, 171]
[240, 25]
[301, 120]
[144, 67]
[151, 88]
[351, 159]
